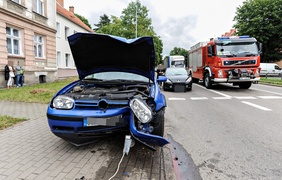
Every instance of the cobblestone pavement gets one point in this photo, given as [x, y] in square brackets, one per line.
[30, 151]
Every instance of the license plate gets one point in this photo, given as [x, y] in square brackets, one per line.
[94, 121]
[179, 88]
[110, 121]
[244, 78]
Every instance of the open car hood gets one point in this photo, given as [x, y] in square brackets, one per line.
[94, 53]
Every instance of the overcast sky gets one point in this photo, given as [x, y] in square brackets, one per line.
[179, 23]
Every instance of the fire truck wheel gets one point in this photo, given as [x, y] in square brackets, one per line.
[245, 85]
[207, 81]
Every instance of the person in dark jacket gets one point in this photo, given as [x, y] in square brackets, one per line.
[7, 70]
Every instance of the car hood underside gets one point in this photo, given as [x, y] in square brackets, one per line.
[94, 53]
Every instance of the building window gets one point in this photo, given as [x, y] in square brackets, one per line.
[13, 41]
[67, 60]
[58, 58]
[58, 29]
[67, 31]
[39, 6]
[38, 46]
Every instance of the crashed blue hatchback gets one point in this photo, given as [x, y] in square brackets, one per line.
[117, 91]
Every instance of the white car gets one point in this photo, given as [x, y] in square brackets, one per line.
[270, 69]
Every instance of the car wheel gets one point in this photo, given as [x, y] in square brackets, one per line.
[159, 124]
[195, 80]
[245, 85]
[207, 81]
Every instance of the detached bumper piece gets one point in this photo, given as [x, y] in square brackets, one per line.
[149, 140]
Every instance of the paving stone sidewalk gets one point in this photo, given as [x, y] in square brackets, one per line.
[30, 151]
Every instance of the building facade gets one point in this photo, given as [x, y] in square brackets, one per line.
[28, 36]
[67, 24]
[34, 33]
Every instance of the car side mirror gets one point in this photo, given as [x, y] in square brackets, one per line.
[161, 79]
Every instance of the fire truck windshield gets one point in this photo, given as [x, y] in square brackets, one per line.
[237, 49]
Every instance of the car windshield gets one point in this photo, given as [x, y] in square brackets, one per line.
[109, 76]
[175, 71]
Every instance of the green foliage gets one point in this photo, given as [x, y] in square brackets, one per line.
[125, 26]
[271, 80]
[7, 121]
[180, 51]
[83, 19]
[104, 20]
[262, 19]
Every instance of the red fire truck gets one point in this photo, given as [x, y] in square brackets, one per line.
[226, 60]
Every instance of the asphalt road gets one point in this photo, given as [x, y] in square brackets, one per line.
[227, 132]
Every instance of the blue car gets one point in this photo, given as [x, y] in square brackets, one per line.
[117, 92]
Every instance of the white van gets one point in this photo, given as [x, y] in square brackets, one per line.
[270, 69]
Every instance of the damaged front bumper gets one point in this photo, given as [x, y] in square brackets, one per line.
[74, 129]
[146, 138]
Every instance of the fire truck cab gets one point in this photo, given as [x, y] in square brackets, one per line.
[226, 60]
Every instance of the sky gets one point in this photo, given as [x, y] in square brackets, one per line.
[179, 23]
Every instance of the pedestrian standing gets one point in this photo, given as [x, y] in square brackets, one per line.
[22, 77]
[19, 74]
[7, 70]
[11, 77]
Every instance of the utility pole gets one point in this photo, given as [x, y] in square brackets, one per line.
[136, 20]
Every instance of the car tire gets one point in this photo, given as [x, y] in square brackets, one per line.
[159, 124]
[195, 80]
[245, 85]
[207, 81]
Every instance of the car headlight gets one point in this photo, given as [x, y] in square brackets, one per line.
[189, 79]
[141, 110]
[63, 102]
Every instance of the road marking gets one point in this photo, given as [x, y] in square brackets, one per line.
[267, 91]
[270, 97]
[256, 106]
[225, 95]
[222, 97]
[176, 99]
[198, 98]
[244, 97]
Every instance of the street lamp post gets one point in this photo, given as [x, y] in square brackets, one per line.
[136, 20]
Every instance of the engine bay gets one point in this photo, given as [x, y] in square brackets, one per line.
[108, 91]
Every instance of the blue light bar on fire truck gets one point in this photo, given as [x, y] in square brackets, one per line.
[232, 37]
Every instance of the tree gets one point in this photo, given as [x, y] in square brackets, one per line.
[83, 19]
[262, 19]
[125, 26]
[104, 20]
[180, 51]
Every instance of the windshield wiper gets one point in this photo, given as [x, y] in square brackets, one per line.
[247, 53]
[123, 80]
[231, 55]
[93, 79]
